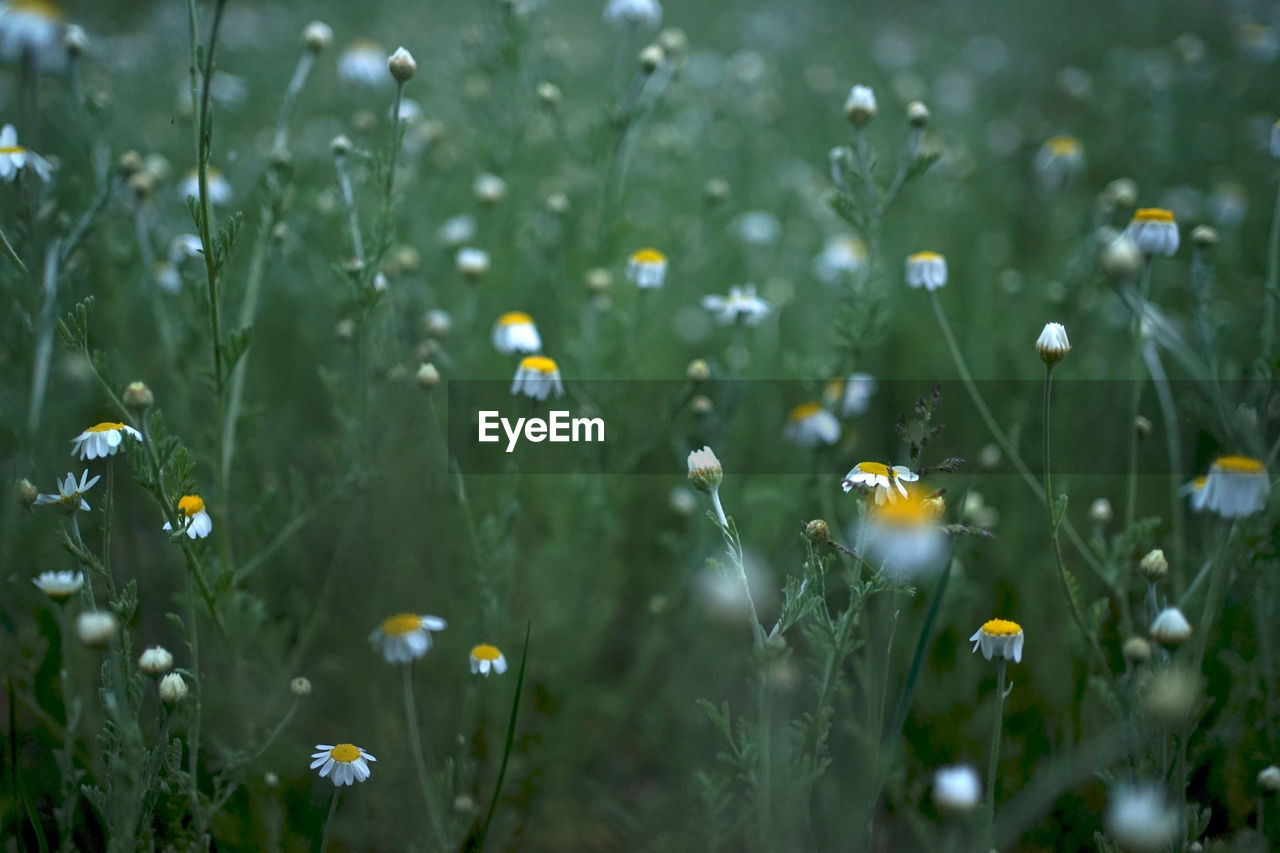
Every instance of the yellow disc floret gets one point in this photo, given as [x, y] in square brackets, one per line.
[924, 256]
[538, 363]
[1064, 146]
[1153, 214]
[1001, 628]
[344, 752]
[484, 651]
[804, 412]
[515, 318]
[102, 427]
[648, 256]
[1239, 465]
[189, 505]
[401, 624]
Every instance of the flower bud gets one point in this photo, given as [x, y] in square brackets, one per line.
[1171, 696]
[173, 689]
[674, 42]
[1154, 566]
[598, 280]
[860, 107]
[817, 532]
[705, 472]
[1142, 426]
[956, 789]
[698, 370]
[340, 146]
[1120, 258]
[96, 627]
[1052, 346]
[300, 686]
[317, 36]
[428, 377]
[715, 190]
[472, 263]
[1122, 192]
[1170, 627]
[402, 65]
[437, 323]
[1204, 236]
[1100, 511]
[76, 41]
[650, 58]
[155, 661]
[548, 94]
[917, 114]
[1269, 778]
[1137, 650]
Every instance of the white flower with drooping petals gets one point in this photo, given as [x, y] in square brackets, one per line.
[809, 425]
[405, 636]
[194, 518]
[882, 479]
[515, 332]
[70, 495]
[486, 658]
[999, 637]
[1153, 231]
[537, 377]
[927, 270]
[59, 585]
[647, 268]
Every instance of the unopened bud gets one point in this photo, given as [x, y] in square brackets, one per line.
[1120, 258]
[1100, 511]
[1052, 346]
[173, 689]
[96, 627]
[317, 36]
[340, 146]
[129, 162]
[1204, 236]
[428, 377]
[137, 396]
[156, 661]
[705, 471]
[698, 370]
[300, 686]
[1137, 650]
[76, 41]
[1171, 696]
[1142, 426]
[1154, 566]
[548, 94]
[1269, 778]
[860, 106]
[598, 280]
[818, 532]
[27, 493]
[715, 190]
[917, 114]
[402, 65]
[701, 405]
[650, 58]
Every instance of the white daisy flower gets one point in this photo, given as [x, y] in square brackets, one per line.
[457, 230]
[344, 763]
[631, 13]
[1058, 159]
[741, 304]
[35, 28]
[471, 262]
[537, 377]
[516, 332]
[999, 637]
[405, 636]
[809, 425]
[14, 158]
[927, 270]
[881, 478]
[196, 522]
[102, 440]
[842, 255]
[1170, 627]
[219, 187]
[70, 495]
[904, 537]
[1142, 819]
[647, 268]
[1236, 486]
[363, 63]
[956, 788]
[486, 658]
[850, 397]
[59, 585]
[1154, 231]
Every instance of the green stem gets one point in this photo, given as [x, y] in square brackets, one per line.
[299, 79]
[994, 760]
[1273, 285]
[1135, 398]
[1212, 600]
[415, 742]
[12, 255]
[328, 821]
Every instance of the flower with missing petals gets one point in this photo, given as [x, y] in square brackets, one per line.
[486, 658]
[741, 304]
[882, 479]
[14, 158]
[1236, 486]
[70, 495]
[1058, 159]
[193, 517]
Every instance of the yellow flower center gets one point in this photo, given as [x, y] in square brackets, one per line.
[648, 256]
[344, 752]
[515, 318]
[106, 427]
[189, 505]
[920, 257]
[1064, 146]
[1239, 465]
[875, 469]
[1198, 482]
[484, 651]
[538, 363]
[916, 509]
[1153, 214]
[804, 412]
[37, 7]
[1001, 628]
[13, 149]
[401, 624]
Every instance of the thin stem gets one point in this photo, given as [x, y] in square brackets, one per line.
[1173, 447]
[733, 546]
[44, 341]
[1055, 521]
[1273, 284]
[12, 255]
[299, 79]
[994, 760]
[349, 205]
[328, 822]
[1135, 398]
[1212, 600]
[415, 741]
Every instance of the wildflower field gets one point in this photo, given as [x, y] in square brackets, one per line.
[595, 425]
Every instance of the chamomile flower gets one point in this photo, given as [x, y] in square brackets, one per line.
[1170, 627]
[850, 397]
[1141, 819]
[1235, 487]
[999, 637]
[537, 377]
[32, 28]
[647, 268]
[886, 482]
[14, 158]
[1194, 489]
[457, 230]
[472, 262]
[842, 255]
[219, 187]
[904, 536]
[927, 270]
[489, 188]
[193, 516]
[59, 585]
[516, 332]
[741, 304]
[956, 788]
[486, 658]
[625, 14]
[70, 496]
[809, 425]
[1154, 231]
[363, 63]
[405, 636]
[1059, 158]
[705, 471]
[343, 763]
[102, 440]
